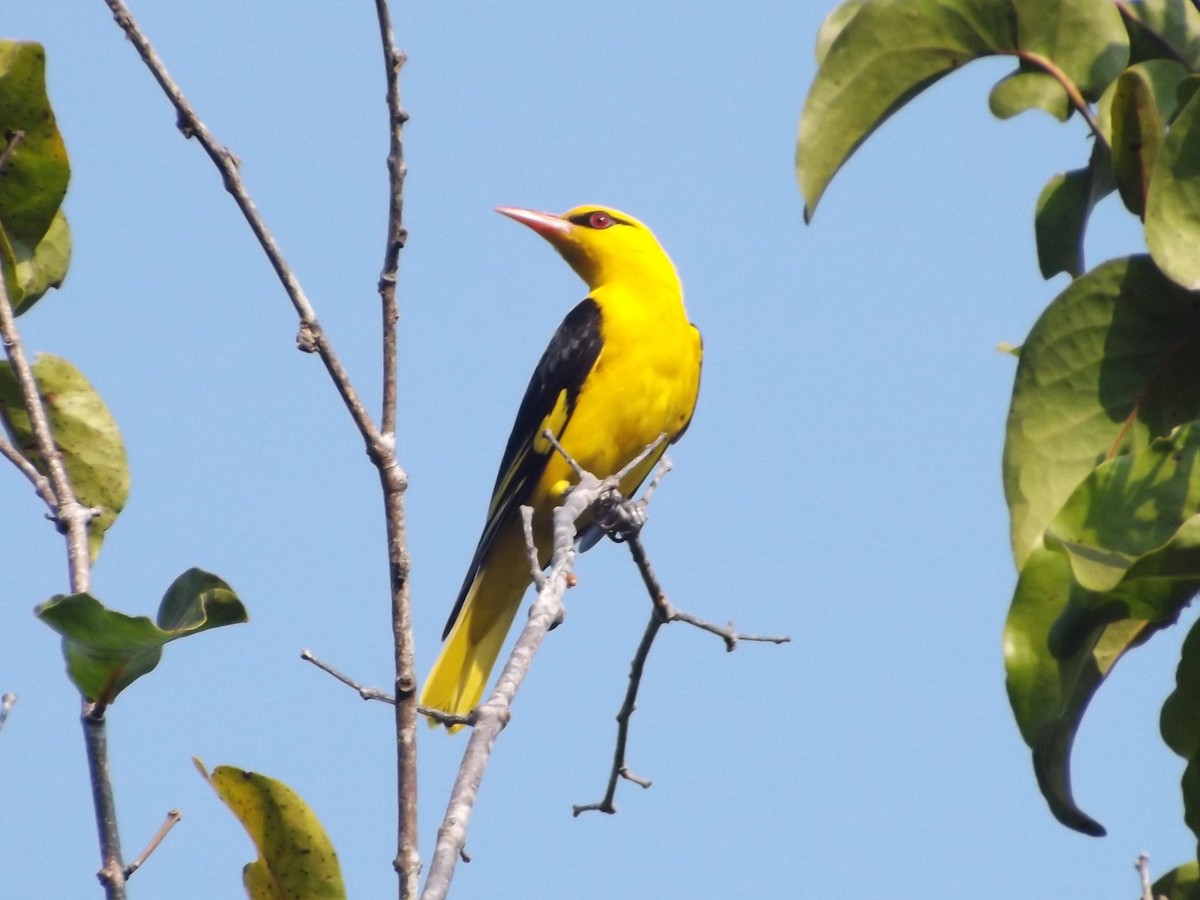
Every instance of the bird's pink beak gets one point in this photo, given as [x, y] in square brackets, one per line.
[546, 224]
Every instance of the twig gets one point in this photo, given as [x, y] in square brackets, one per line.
[72, 518]
[494, 713]
[190, 125]
[1072, 89]
[619, 769]
[371, 693]
[393, 60]
[380, 443]
[71, 515]
[661, 613]
[112, 870]
[539, 577]
[6, 704]
[367, 693]
[172, 818]
[393, 480]
[1142, 864]
[41, 484]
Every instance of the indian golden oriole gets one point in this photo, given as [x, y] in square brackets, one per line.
[622, 369]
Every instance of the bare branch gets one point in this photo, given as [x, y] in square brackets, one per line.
[539, 577]
[7, 701]
[619, 768]
[72, 516]
[494, 713]
[371, 693]
[367, 693]
[72, 519]
[190, 124]
[41, 484]
[623, 520]
[172, 818]
[380, 443]
[408, 861]
[393, 60]
[95, 738]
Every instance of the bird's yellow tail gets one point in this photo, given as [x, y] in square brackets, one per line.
[456, 682]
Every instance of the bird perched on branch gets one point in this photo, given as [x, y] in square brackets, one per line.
[622, 369]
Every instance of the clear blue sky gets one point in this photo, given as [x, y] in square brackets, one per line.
[840, 481]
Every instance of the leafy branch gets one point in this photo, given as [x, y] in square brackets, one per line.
[1103, 429]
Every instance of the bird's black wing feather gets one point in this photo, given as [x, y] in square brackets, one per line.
[560, 373]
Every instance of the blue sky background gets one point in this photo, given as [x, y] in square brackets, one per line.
[840, 482]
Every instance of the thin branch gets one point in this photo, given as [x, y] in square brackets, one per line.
[619, 768]
[7, 701]
[623, 522]
[112, 870]
[1068, 85]
[1142, 864]
[493, 715]
[173, 817]
[380, 443]
[371, 693]
[72, 518]
[190, 125]
[393, 480]
[71, 515]
[539, 577]
[393, 60]
[41, 484]
[367, 693]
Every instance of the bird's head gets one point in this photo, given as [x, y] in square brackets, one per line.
[603, 245]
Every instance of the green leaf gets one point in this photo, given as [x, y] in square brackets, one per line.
[295, 856]
[83, 429]
[1086, 39]
[1180, 724]
[1062, 213]
[45, 267]
[35, 177]
[1163, 76]
[1112, 363]
[882, 57]
[1162, 29]
[1173, 203]
[1050, 691]
[1185, 91]
[1179, 721]
[1137, 134]
[1026, 89]
[106, 651]
[1136, 515]
[1182, 883]
[833, 24]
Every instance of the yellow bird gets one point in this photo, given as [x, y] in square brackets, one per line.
[622, 369]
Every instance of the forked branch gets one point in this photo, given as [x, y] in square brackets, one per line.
[623, 521]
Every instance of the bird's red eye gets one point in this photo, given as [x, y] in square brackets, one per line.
[600, 220]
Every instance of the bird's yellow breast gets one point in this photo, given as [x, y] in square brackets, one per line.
[644, 384]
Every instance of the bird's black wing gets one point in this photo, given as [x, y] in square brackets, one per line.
[548, 402]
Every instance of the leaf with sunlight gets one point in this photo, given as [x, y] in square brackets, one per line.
[36, 172]
[295, 856]
[883, 55]
[83, 429]
[1112, 363]
[1173, 203]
